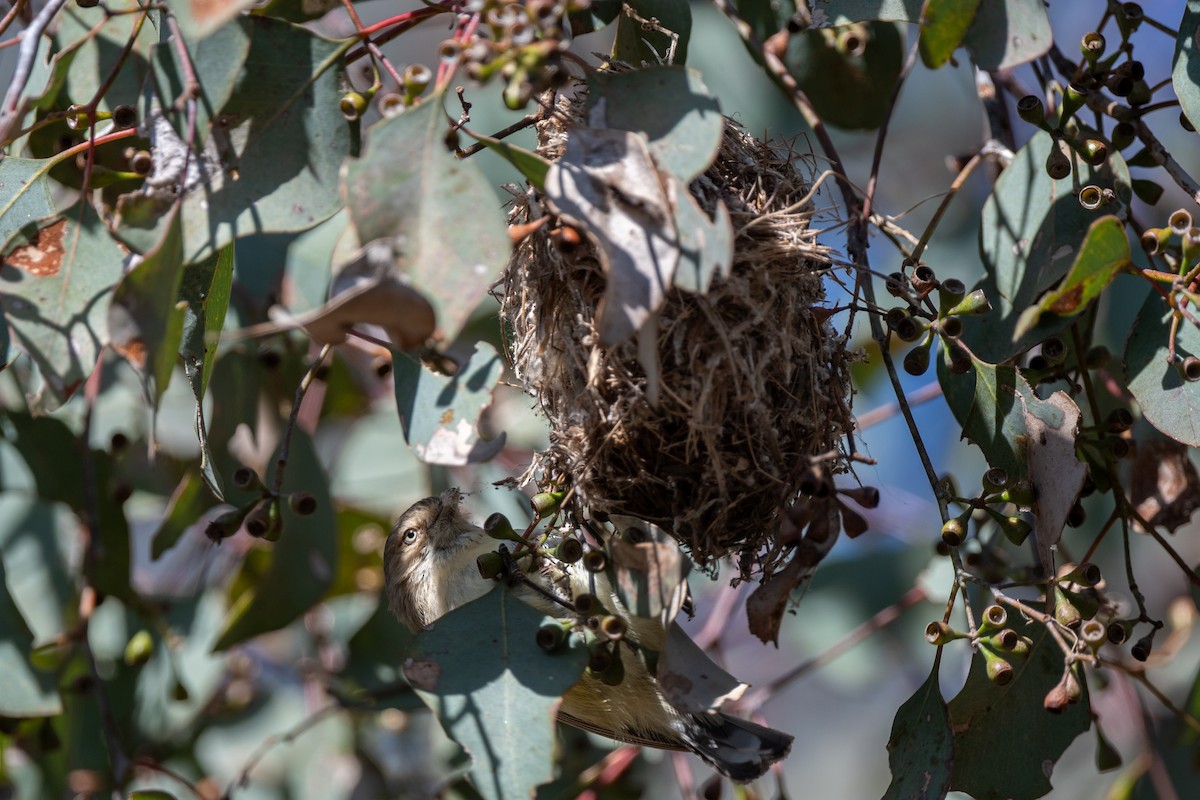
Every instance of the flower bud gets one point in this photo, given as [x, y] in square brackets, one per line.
[1065, 612]
[1056, 700]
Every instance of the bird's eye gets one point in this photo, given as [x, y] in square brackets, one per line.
[410, 535]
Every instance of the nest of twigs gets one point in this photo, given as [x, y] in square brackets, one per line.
[753, 378]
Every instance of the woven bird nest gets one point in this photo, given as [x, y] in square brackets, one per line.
[753, 381]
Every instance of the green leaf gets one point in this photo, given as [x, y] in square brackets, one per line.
[989, 412]
[1008, 33]
[37, 539]
[99, 53]
[528, 163]
[187, 504]
[145, 320]
[56, 277]
[1031, 230]
[439, 413]
[670, 105]
[1103, 254]
[944, 23]
[921, 747]
[205, 287]
[1186, 74]
[25, 194]
[201, 18]
[303, 561]
[1005, 742]
[216, 61]
[635, 44]
[25, 691]
[1168, 402]
[482, 674]
[848, 89]
[274, 165]
[441, 211]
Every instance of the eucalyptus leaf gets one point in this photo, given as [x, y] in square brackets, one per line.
[303, 561]
[1007, 33]
[145, 319]
[188, 504]
[271, 161]
[944, 23]
[54, 287]
[26, 195]
[839, 12]
[25, 691]
[201, 18]
[1185, 77]
[1008, 725]
[1168, 401]
[1031, 231]
[439, 413]
[637, 43]
[441, 212]
[481, 672]
[921, 747]
[216, 62]
[99, 53]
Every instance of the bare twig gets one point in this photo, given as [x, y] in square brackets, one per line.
[271, 742]
[285, 444]
[14, 104]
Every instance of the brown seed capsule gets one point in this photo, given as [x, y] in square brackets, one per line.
[595, 561]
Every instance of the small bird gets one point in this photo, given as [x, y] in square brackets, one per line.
[429, 565]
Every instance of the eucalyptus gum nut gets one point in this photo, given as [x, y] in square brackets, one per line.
[1015, 529]
[569, 550]
[228, 523]
[245, 478]
[600, 656]
[916, 362]
[139, 648]
[490, 565]
[595, 561]
[1189, 368]
[551, 637]
[546, 503]
[1096, 152]
[1005, 639]
[353, 105]
[1074, 96]
[995, 479]
[1142, 647]
[999, 671]
[950, 293]
[1140, 94]
[124, 117]
[1119, 420]
[1093, 634]
[1056, 700]
[974, 303]
[416, 79]
[1058, 164]
[1065, 612]
[1118, 631]
[896, 284]
[1191, 246]
[141, 162]
[1092, 46]
[994, 618]
[497, 526]
[939, 633]
[587, 604]
[1090, 197]
[950, 327]
[895, 315]
[613, 627]
[910, 328]
[1123, 135]
[1054, 350]
[1031, 109]
[1120, 84]
[302, 503]
[954, 531]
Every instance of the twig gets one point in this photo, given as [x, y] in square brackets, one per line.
[519, 125]
[11, 15]
[951, 193]
[878, 415]
[12, 111]
[1139, 675]
[285, 444]
[270, 742]
[881, 620]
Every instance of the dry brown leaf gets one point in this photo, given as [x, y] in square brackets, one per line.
[690, 680]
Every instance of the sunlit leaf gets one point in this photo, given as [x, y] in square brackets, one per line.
[1055, 472]
[1168, 401]
[303, 561]
[272, 168]
[201, 18]
[25, 691]
[1185, 78]
[1031, 230]
[921, 747]
[481, 672]
[944, 23]
[690, 680]
[1103, 254]
[1007, 725]
[839, 12]
[705, 245]
[647, 569]
[205, 287]
[216, 63]
[99, 53]
[440, 211]
[1007, 33]
[670, 105]
[439, 413]
[56, 278]
[25, 194]
[145, 320]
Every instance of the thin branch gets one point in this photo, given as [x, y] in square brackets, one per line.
[285, 444]
[13, 109]
[271, 742]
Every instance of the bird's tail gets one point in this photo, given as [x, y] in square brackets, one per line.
[738, 749]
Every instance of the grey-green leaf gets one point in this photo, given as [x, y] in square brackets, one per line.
[57, 275]
[272, 160]
[1168, 402]
[439, 413]
[25, 195]
[441, 211]
[25, 691]
[480, 670]
[1186, 74]
[921, 747]
[1007, 33]
[670, 105]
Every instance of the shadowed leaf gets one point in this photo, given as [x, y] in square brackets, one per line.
[24, 691]
[1168, 401]
[921, 747]
[1007, 33]
[1186, 75]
